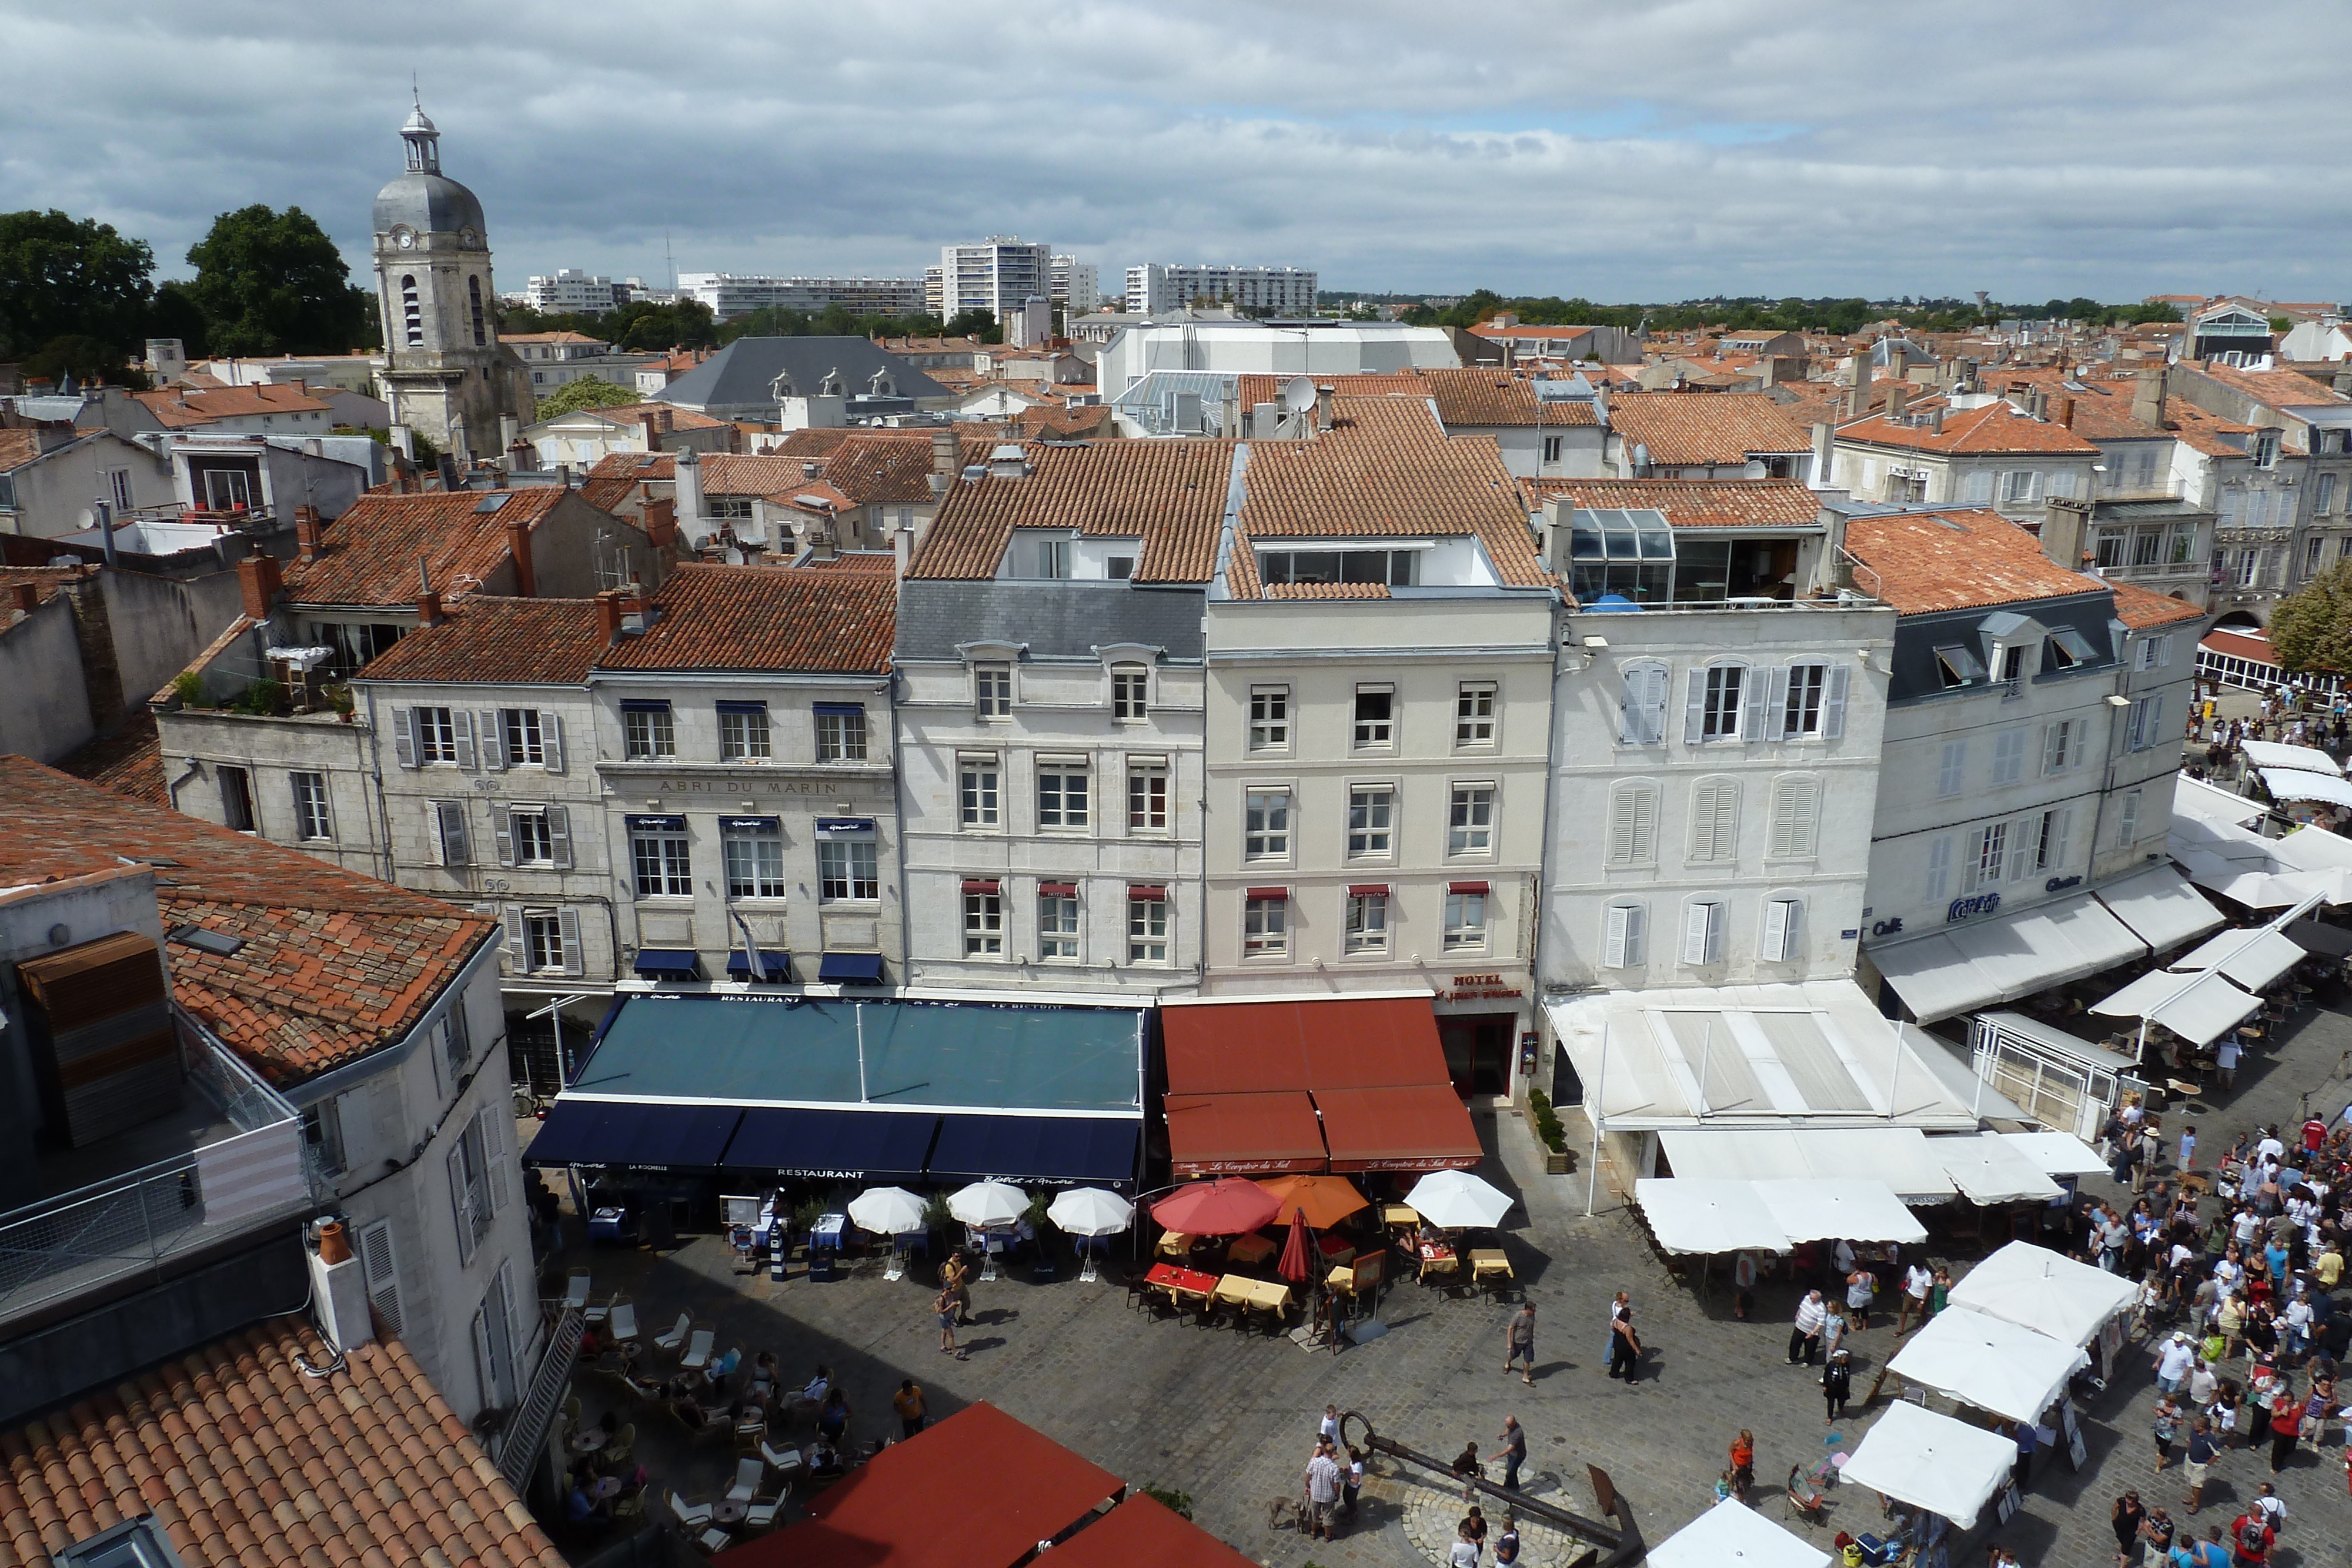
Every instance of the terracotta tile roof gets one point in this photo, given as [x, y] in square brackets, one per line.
[528, 642]
[730, 473]
[854, 560]
[334, 965]
[244, 1460]
[636, 465]
[1996, 427]
[46, 579]
[2141, 608]
[1066, 423]
[1695, 503]
[816, 442]
[128, 762]
[178, 407]
[2103, 405]
[370, 553]
[893, 469]
[1253, 388]
[2207, 433]
[1169, 494]
[608, 494]
[1923, 561]
[2273, 388]
[18, 447]
[766, 618]
[1705, 428]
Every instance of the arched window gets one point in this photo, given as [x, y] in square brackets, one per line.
[474, 292]
[412, 311]
[1796, 816]
[1634, 823]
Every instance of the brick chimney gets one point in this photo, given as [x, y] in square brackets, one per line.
[608, 613]
[309, 534]
[258, 582]
[653, 428]
[946, 456]
[519, 546]
[25, 597]
[1898, 397]
[428, 609]
[2066, 412]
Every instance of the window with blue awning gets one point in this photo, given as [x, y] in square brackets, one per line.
[850, 970]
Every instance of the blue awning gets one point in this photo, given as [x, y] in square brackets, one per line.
[850, 970]
[666, 963]
[1066, 1151]
[844, 1145]
[609, 1133]
[778, 965]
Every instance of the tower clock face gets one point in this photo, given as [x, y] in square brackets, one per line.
[405, 238]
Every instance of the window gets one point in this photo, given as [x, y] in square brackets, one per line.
[1642, 712]
[1551, 449]
[1147, 926]
[1368, 920]
[647, 733]
[1058, 921]
[1130, 691]
[1061, 794]
[754, 851]
[743, 735]
[469, 1189]
[1375, 718]
[1265, 925]
[1938, 885]
[2266, 448]
[237, 798]
[1801, 713]
[1714, 820]
[1714, 712]
[657, 852]
[991, 690]
[1395, 568]
[2311, 555]
[2009, 665]
[310, 818]
[1796, 818]
[323, 1134]
[1265, 825]
[2249, 567]
[532, 842]
[1470, 820]
[2061, 744]
[1147, 797]
[2050, 841]
[845, 869]
[2146, 726]
[2008, 757]
[2127, 819]
[1269, 728]
[1474, 713]
[1703, 933]
[412, 312]
[1621, 935]
[377, 1263]
[1955, 666]
[1372, 810]
[1632, 824]
[1779, 943]
[1118, 568]
[519, 726]
[2017, 486]
[983, 921]
[976, 791]
[1952, 770]
[450, 832]
[2323, 492]
[840, 732]
[118, 490]
[474, 297]
[1992, 850]
[1465, 918]
[728, 508]
[437, 734]
[1041, 557]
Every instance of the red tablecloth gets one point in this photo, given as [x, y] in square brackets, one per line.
[1335, 1249]
[1436, 1251]
[1170, 1277]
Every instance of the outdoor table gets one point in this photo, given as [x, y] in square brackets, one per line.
[1436, 1257]
[1175, 1244]
[1269, 1295]
[725, 1512]
[606, 1486]
[1335, 1249]
[1251, 1248]
[1178, 1281]
[589, 1441]
[1232, 1290]
[1489, 1262]
[1399, 1216]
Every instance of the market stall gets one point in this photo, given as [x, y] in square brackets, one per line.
[1987, 1362]
[1932, 1461]
[1733, 1535]
[2044, 1290]
[1706, 1216]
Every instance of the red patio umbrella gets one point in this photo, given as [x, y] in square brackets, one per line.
[1294, 1266]
[1228, 1205]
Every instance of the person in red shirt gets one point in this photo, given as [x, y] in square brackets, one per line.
[2250, 1539]
[2315, 1133]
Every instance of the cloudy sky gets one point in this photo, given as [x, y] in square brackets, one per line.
[1630, 150]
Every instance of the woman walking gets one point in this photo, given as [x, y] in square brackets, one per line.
[2286, 1421]
[2125, 1518]
[945, 1308]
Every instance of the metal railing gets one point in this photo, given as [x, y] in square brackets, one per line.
[521, 1438]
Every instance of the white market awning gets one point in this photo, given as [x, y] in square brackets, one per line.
[2313, 849]
[2198, 1008]
[1969, 967]
[2058, 1154]
[1733, 1535]
[1895, 1158]
[1988, 1170]
[1824, 1210]
[2252, 958]
[1988, 1362]
[2294, 784]
[2046, 1292]
[2195, 797]
[1944, 1465]
[2267, 753]
[1689, 1216]
[2160, 907]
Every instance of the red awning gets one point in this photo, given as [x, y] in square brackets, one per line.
[1209, 1134]
[1149, 894]
[975, 884]
[1368, 889]
[1142, 1532]
[1344, 1043]
[1466, 887]
[1281, 893]
[1057, 890]
[1420, 1127]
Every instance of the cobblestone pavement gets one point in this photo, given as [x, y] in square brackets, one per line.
[1230, 1417]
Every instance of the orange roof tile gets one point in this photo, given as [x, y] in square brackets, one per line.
[1995, 428]
[1169, 494]
[370, 553]
[179, 407]
[2274, 389]
[814, 442]
[765, 618]
[526, 641]
[128, 762]
[46, 579]
[2141, 608]
[1695, 503]
[334, 965]
[730, 473]
[636, 465]
[1709, 428]
[244, 1459]
[18, 447]
[1925, 561]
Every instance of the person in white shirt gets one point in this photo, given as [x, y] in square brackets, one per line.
[2270, 1148]
[2172, 1366]
[1805, 1339]
[1917, 1282]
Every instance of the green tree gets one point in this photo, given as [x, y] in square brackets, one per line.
[975, 323]
[85, 359]
[176, 314]
[588, 392]
[2313, 630]
[641, 326]
[273, 283]
[66, 277]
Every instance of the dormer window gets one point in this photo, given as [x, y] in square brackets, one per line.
[1036, 554]
[1391, 568]
[1956, 666]
[2069, 648]
[2266, 448]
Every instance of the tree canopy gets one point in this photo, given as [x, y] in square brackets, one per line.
[588, 392]
[64, 276]
[1840, 317]
[273, 283]
[639, 327]
[2312, 630]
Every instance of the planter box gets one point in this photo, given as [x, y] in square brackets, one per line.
[1560, 1164]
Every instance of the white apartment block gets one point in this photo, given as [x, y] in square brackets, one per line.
[1076, 285]
[570, 291]
[729, 294]
[998, 275]
[1154, 287]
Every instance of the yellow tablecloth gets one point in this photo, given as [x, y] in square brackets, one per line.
[1489, 1261]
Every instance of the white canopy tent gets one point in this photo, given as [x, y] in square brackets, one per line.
[2315, 848]
[2304, 758]
[2296, 784]
[1988, 1362]
[1964, 967]
[1898, 1157]
[1944, 1465]
[1733, 1535]
[1689, 1216]
[2159, 906]
[2252, 958]
[2058, 1154]
[2044, 1290]
[2195, 797]
[1987, 1169]
[1819, 1211]
[2210, 991]
[2262, 873]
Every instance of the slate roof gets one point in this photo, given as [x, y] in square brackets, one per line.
[334, 965]
[1168, 494]
[765, 618]
[743, 373]
[128, 762]
[369, 554]
[244, 1460]
[1959, 559]
[1706, 427]
[498, 640]
[1054, 619]
[1694, 503]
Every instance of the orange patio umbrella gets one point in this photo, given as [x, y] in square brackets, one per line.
[1325, 1199]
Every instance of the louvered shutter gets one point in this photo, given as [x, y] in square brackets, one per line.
[2154, 736]
[1630, 730]
[1716, 914]
[1654, 706]
[1751, 706]
[1939, 869]
[2021, 854]
[2127, 819]
[450, 819]
[494, 743]
[559, 836]
[404, 736]
[1645, 826]
[551, 740]
[383, 1276]
[517, 955]
[461, 724]
[1613, 933]
[460, 1208]
[1637, 916]
[1833, 703]
[2054, 746]
[1776, 704]
[502, 832]
[2062, 829]
[1695, 707]
[1972, 871]
[567, 924]
[497, 1129]
[1698, 923]
[1622, 829]
[2163, 652]
[1776, 929]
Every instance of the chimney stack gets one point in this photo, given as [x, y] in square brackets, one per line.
[2064, 526]
[309, 534]
[428, 609]
[1898, 397]
[2066, 412]
[652, 425]
[2148, 399]
[1323, 395]
[608, 613]
[258, 580]
[1824, 452]
[945, 456]
[519, 546]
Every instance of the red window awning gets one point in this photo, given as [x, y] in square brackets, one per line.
[976, 885]
[1212, 1134]
[1466, 887]
[1148, 894]
[1057, 890]
[1281, 893]
[1419, 1127]
[1367, 890]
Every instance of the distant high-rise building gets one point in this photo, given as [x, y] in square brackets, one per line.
[729, 294]
[1078, 286]
[1285, 290]
[570, 291]
[997, 275]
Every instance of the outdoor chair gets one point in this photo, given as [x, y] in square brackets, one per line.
[748, 1474]
[785, 1462]
[714, 1540]
[593, 1314]
[623, 1320]
[576, 1294]
[693, 1515]
[697, 1349]
[1804, 1499]
[676, 1336]
[762, 1514]
[623, 1446]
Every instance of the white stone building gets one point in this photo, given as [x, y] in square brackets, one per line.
[998, 275]
[1154, 287]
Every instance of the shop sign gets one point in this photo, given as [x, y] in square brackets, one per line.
[1964, 908]
[1887, 927]
[2061, 884]
[1481, 988]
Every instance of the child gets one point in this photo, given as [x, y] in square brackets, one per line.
[2187, 1161]
[1743, 1463]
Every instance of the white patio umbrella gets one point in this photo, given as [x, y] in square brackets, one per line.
[1456, 1200]
[989, 1203]
[1091, 1211]
[1729, 1535]
[886, 1211]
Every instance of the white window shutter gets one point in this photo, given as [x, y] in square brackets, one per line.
[2062, 827]
[1637, 919]
[551, 740]
[2155, 732]
[461, 724]
[1939, 868]
[497, 1131]
[1972, 869]
[1777, 914]
[1833, 697]
[1630, 729]
[502, 831]
[2054, 746]
[518, 952]
[459, 1209]
[2020, 856]
[494, 742]
[567, 924]
[1715, 913]
[1776, 704]
[382, 1274]
[404, 736]
[559, 836]
[1751, 706]
[1694, 923]
[2163, 651]
[1645, 826]
[1612, 942]
[1695, 707]
[2127, 819]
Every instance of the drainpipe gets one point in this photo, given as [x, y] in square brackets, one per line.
[171, 790]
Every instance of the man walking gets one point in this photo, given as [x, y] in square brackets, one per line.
[1322, 1489]
[1917, 1282]
[1805, 1339]
[1514, 1439]
[1519, 1342]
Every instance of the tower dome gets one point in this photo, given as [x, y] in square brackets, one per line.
[423, 198]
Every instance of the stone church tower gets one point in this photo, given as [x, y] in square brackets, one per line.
[449, 379]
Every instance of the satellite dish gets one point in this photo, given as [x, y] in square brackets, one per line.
[1299, 394]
